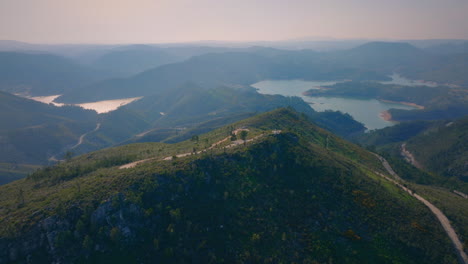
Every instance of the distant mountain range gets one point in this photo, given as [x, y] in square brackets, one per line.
[371, 61]
[246, 65]
[131, 60]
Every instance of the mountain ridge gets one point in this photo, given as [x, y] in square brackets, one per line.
[259, 201]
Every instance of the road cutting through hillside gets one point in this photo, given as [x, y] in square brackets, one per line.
[235, 143]
[444, 221]
[81, 139]
[409, 156]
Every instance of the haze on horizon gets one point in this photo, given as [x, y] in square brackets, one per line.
[156, 21]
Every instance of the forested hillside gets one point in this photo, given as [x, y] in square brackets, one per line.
[299, 194]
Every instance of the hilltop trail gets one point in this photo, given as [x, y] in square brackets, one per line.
[235, 143]
[81, 139]
[462, 257]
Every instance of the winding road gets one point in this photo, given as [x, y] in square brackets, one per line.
[81, 139]
[462, 257]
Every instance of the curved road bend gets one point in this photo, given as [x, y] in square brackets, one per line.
[462, 257]
[81, 139]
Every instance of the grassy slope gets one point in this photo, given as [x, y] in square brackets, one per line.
[453, 206]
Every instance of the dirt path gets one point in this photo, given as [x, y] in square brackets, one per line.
[133, 164]
[54, 159]
[409, 157]
[235, 132]
[235, 143]
[462, 257]
[460, 194]
[81, 139]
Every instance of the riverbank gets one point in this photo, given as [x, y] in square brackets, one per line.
[420, 107]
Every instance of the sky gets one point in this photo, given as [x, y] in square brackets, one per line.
[165, 21]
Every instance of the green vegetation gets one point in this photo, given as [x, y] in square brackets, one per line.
[32, 132]
[296, 195]
[394, 134]
[453, 206]
[195, 110]
[440, 147]
[443, 149]
[303, 195]
[35, 132]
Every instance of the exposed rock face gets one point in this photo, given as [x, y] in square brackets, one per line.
[40, 238]
[57, 239]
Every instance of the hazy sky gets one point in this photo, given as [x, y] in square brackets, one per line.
[151, 21]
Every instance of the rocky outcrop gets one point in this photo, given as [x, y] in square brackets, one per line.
[59, 238]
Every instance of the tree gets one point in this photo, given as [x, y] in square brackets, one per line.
[88, 243]
[243, 135]
[195, 138]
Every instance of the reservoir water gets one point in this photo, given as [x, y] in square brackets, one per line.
[366, 111]
[100, 107]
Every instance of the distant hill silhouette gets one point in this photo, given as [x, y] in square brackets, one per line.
[43, 74]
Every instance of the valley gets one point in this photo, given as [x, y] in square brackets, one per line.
[234, 154]
[440, 216]
[296, 164]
